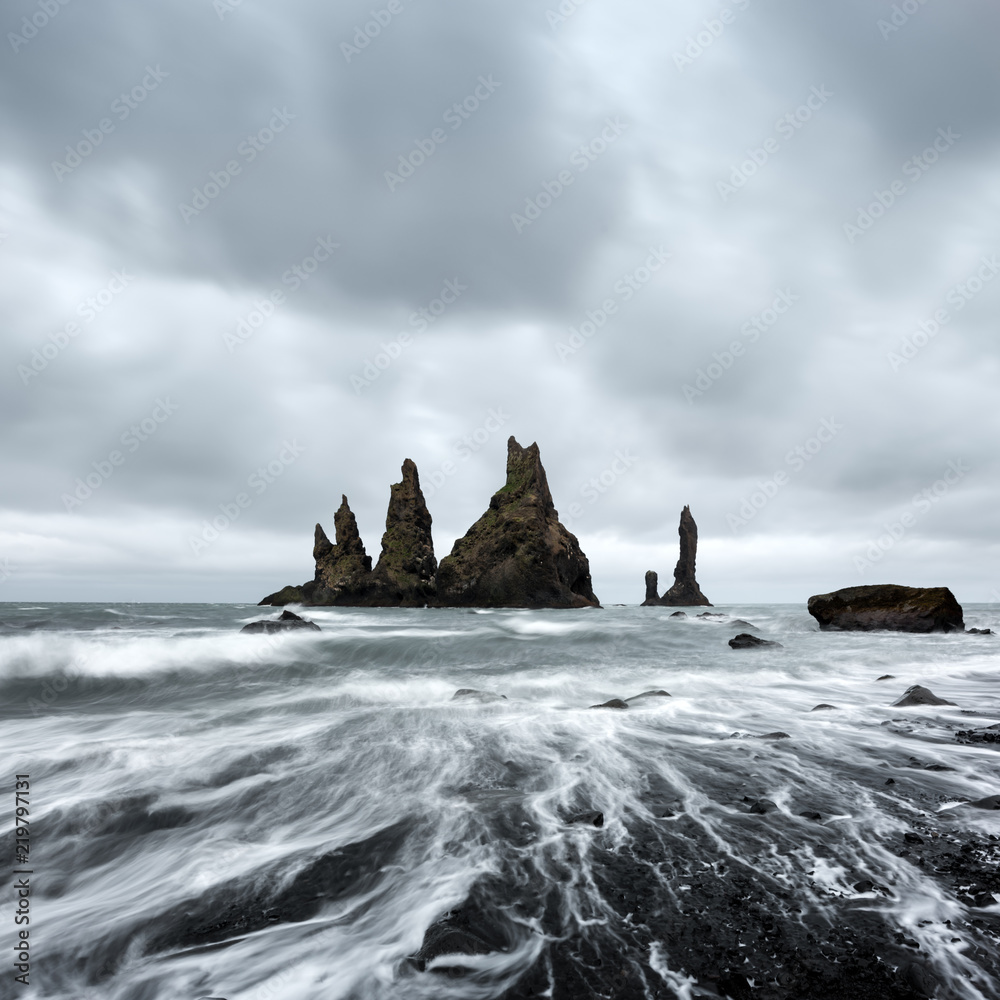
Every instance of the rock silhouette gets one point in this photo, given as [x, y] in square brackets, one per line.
[888, 606]
[685, 591]
[404, 575]
[285, 623]
[518, 554]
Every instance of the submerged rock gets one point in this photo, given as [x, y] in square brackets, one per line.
[648, 694]
[679, 614]
[917, 695]
[588, 819]
[888, 606]
[288, 620]
[979, 631]
[612, 703]
[763, 806]
[746, 641]
[471, 694]
[822, 708]
[518, 554]
[685, 591]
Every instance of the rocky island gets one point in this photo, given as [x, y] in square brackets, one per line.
[685, 592]
[517, 555]
[888, 606]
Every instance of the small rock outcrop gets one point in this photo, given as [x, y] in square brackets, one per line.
[685, 591]
[518, 554]
[918, 695]
[890, 607]
[747, 641]
[287, 622]
[404, 575]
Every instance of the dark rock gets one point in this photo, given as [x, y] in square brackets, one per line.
[679, 614]
[746, 641]
[612, 703]
[712, 616]
[824, 707]
[286, 622]
[405, 573]
[774, 736]
[649, 694]
[890, 607]
[913, 838]
[652, 586]
[471, 694]
[763, 806]
[814, 816]
[685, 591]
[588, 819]
[518, 554]
[890, 781]
[740, 623]
[917, 695]
[404, 576]
[979, 631]
[886, 677]
[990, 802]
[865, 885]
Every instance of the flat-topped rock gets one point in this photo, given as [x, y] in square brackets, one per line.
[888, 606]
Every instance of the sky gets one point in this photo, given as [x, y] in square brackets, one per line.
[741, 255]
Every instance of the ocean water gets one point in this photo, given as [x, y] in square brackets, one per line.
[314, 815]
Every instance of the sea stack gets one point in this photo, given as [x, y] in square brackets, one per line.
[888, 606]
[685, 592]
[518, 554]
[404, 576]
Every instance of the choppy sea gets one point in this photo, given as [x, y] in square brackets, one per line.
[315, 816]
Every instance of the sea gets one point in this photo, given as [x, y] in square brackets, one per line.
[425, 803]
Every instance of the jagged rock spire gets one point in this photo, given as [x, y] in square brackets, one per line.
[517, 554]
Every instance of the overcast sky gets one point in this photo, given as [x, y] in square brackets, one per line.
[220, 224]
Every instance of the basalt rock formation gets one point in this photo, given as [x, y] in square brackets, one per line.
[518, 554]
[888, 606]
[685, 591]
[404, 575]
